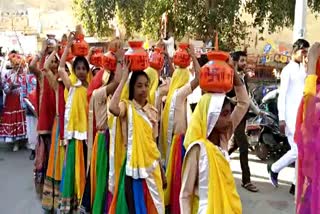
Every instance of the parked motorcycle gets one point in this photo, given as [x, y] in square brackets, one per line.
[263, 131]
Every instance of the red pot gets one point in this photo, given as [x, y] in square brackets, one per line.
[181, 57]
[110, 61]
[217, 75]
[97, 57]
[156, 59]
[137, 55]
[80, 47]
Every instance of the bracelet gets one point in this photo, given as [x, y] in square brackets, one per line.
[120, 62]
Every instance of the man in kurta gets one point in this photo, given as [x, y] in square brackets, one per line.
[290, 94]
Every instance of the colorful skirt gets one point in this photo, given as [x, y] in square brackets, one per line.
[73, 177]
[173, 174]
[133, 195]
[41, 161]
[13, 120]
[51, 189]
[96, 198]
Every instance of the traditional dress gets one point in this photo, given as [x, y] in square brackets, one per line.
[51, 189]
[46, 111]
[96, 195]
[207, 183]
[139, 189]
[75, 131]
[307, 137]
[13, 118]
[174, 125]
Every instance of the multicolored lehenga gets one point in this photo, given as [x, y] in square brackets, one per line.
[51, 189]
[97, 198]
[75, 131]
[171, 143]
[139, 187]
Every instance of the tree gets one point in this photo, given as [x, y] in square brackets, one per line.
[274, 13]
[95, 15]
[202, 19]
[198, 18]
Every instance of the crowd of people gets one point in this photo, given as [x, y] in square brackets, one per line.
[117, 141]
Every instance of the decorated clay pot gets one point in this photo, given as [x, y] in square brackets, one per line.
[181, 57]
[110, 61]
[80, 47]
[156, 59]
[97, 57]
[217, 75]
[137, 55]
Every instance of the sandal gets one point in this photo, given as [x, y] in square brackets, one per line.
[250, 187]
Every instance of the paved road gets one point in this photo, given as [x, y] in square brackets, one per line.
[17, 195]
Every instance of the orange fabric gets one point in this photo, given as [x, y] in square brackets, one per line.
[80, 181]
[50, 169]
[93, 165]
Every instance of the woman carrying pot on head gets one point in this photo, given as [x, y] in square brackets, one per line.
[175, 117]
[75, 130]
[139, 188]
[207, 182]
[97, 197]
[51, 190]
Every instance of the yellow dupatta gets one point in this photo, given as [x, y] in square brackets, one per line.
[117, 146]
[153, 86]
[221, 195]
[180, 78]
[143, 155]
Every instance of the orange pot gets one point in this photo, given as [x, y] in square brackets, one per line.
[97, 57]
[80, 47]
[181, 57]
[110, 61]
[217, 75]
[137, 55]
[156, 59]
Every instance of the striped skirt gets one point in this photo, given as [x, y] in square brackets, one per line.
[73, 177]
[96, 198]
[173, 174]
[51, 191]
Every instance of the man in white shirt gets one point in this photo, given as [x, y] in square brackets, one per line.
[290, 95]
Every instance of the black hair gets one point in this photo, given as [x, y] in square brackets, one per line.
[237, 54]
[79, 59]
[133, 81]
[203, 60]
[300, 44]
[13, 52]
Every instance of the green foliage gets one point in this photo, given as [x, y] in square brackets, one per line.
[276, 14]
[201, 19]
[95, 15]
[197, 18]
